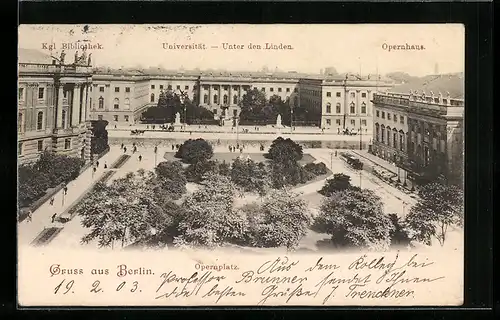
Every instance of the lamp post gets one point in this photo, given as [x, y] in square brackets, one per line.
[331, 161]
[360, 136]
[236, 118]
[156, 153]
[291, 119]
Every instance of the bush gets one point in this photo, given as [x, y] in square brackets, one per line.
[339, 182]
[249, 175]
[99, 141]
[316, 168]
[193, 151]
[197, 171]
[170, 177]
[33, 185]
[354, 218]
[398, 235]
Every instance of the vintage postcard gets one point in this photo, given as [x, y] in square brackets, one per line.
[241, 165]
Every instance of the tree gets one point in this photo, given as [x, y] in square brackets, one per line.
[192, 151]
[210, 219]
[249, 176]
[128, 209]
[339, 182]
[99, 141]
[197, 171]
[439, 208]
[32, 185]
[282, 220]
[284, 150]
[252, 106]
[354, 218]
[399, 236]
[170, 177]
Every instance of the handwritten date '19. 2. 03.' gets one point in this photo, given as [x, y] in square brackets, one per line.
[280, 281]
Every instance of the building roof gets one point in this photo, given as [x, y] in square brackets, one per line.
[443, 83]
[33, 56]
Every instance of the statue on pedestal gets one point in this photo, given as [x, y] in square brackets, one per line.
[278, 121]
[177, 119]
[61, 59]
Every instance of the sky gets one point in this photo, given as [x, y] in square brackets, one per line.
[357, 48]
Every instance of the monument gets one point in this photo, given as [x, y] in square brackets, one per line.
[278, 122]
[177, 122]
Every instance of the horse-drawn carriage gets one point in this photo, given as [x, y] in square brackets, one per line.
[137, 132]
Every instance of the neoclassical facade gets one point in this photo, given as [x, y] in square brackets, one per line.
[422, 133]
[53, 100]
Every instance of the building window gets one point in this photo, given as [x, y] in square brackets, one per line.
[39, 120]
[115, 117]
[101, 89]
[20, 148]
[378, 113]
[328, 108]
[388, 116]
[363, 122]
[67, 143]
[161, 87]
[383, 115]
[395, 118]
[152, 97]
[337, 94]
[214, 111]
[263, 89]
[337, 121]
[126, 118]
[21, 94]
[169, 87]
[225, 99]
[117, 89]
[337, 108]
[235, 113]
[127, 89]
[377, 132]
[271, 89]
[287, 89]
[353, 94]
[65, 93]
[401, 140]
[353, 122]
[388, 136]
[382, 133]
[295, 90]
[127, 104]
[205, 98]
[402, 119]
[153, 86]
[63, 116]
[19, 122]
[101, 103]
[328, 122]
[186, 87]
[353, 108]
[363, 95]
[328, 94]
[279, 89]
[363, 107]
[99, 117]
[40, 145]
[235, 99]
[41, 93]
[116, 103]
[216, 99]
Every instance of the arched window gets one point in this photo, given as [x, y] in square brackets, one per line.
[127, 104]
[296, 101]
[101, 103]
[363, 107]
[19, 122]
[116, 103]
[377, 132]
[39, 120]
[328, 108]
[401, 140]
[353, 107]
[394, 138]
[337, 108]
[225, 99]
[235, 99]
[63, 120]
[388, 136]
[205, 98]
[152, 97]
[216, 99]
[382, 134]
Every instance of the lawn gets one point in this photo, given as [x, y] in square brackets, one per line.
[230, 156]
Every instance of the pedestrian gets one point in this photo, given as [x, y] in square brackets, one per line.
[115, 126]
[97, 163]
[124, 149]
[173, 147]
[140, 158]
[54, 217]
[237, 146]
[65, 190]
[190, 132]
[29, 218]
[122, 146]
[241, 150]
[335, 153]
[133, 144]
[105, 165]
[135, 149]
[229, 146]
[95, 169]
[153, 127]
[51, 201]
[147, 126]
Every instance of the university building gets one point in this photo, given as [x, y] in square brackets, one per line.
[53, 100]
[421, 131]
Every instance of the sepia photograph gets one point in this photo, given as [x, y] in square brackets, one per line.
[240, 164]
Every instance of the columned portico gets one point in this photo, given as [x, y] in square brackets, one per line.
[75, 107]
